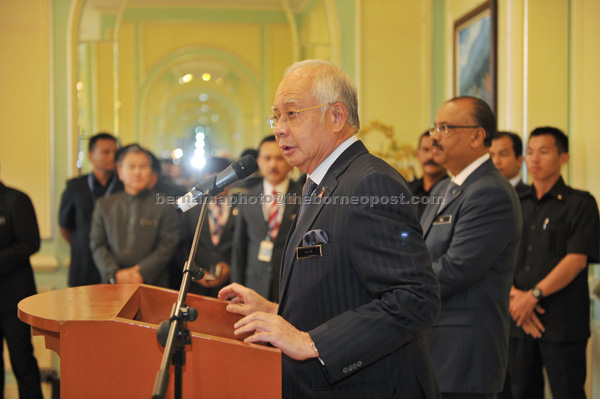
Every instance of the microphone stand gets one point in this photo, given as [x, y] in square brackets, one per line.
[178, 333]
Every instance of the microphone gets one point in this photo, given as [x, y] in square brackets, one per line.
[215, 184]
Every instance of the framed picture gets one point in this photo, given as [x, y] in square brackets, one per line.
[475, 54]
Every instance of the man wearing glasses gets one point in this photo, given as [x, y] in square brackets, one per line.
[473, 238]
[357, 289]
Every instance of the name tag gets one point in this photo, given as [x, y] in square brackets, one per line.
[314, 251]
[444, 219]
[149, 222]
[265, 252]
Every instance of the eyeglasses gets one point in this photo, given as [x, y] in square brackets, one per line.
[288, 116]
[443, 128]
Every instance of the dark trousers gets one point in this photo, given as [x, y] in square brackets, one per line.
[24, 364]
[564, 362]
[469, 395]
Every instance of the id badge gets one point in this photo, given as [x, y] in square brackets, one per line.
[265, 252]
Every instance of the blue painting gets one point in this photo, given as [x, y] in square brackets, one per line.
[474, 58]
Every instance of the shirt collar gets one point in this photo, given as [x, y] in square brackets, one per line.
[319, 173]
[557, 191]
[460, 178]
[280, 188]
[141, 195]
[108, 181]
[515, 180]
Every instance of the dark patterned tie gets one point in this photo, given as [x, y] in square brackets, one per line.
[307, 191]
[215, 219]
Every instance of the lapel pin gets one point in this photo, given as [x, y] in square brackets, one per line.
[322, 192]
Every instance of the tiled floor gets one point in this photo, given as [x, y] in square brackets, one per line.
[11, 391]
[46, 361]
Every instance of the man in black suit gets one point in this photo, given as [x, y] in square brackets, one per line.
[473, 238]
[216, 238]
[77, 204]
[356, 290]
[506, 152]
[263, 224]
[19, 239]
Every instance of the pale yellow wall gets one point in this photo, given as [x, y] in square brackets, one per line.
[509, 107]
[585, 140]
[104, 87]
[279, 56]
[548, 61]
[314, 35]
[395, 65]
[242, 40]
[25, 132]
[127, 78]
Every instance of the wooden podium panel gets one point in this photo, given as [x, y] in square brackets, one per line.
[106, 338]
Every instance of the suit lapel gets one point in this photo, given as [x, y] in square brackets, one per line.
[256, 215]
[325, 188]
[449, 200]
[289, 211]
[432, 211]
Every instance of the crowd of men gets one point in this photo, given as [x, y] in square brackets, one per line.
[468, 296]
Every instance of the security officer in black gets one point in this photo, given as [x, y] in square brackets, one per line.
[19, 239]
[549, 301]
[433, 173]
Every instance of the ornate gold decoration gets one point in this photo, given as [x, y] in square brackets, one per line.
[384, 145]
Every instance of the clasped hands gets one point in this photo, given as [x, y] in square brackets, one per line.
[129, 275]
[523, 307]
[262, 320]
[214, 280]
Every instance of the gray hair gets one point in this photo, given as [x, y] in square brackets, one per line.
[331, 85]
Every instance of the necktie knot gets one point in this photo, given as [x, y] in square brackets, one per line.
[308, 188]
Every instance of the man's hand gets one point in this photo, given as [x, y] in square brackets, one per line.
[214, 280]
[533, 326]
[66, 234]
[521, 305]
[130, 275]
[278, 332]
[245, 301]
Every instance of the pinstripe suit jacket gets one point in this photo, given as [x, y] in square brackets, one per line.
[367, 300]
[474, 251]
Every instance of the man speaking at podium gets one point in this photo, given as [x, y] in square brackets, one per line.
[357, 288]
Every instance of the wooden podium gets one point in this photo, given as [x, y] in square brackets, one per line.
[105, 336]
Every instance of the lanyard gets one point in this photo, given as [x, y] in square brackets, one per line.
[109, 190]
